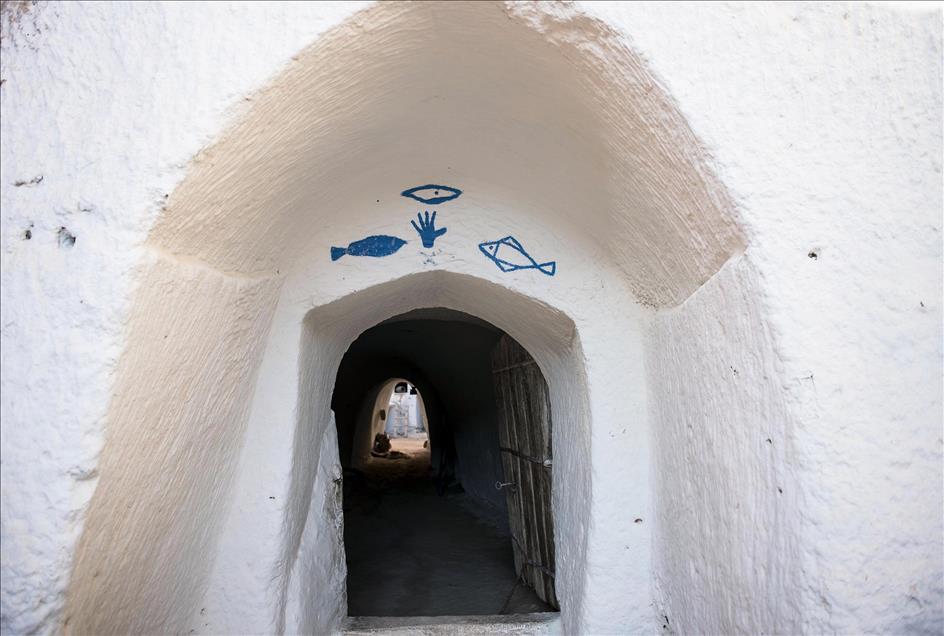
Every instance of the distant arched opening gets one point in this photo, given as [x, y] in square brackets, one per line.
[394, 408]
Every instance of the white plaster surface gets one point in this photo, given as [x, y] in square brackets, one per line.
[830, 138]
[723, 462]
[309, 609]
[108, 103]
[822, 122]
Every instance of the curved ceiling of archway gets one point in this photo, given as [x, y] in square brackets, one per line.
[536, 107]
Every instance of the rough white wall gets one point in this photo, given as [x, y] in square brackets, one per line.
[724, 451]
[157, 509]
[823, 121]
[309, 609]
[830, 140]
[107, 103]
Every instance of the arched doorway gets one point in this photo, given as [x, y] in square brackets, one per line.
[394, 408]
[467, 528]
[330, 331]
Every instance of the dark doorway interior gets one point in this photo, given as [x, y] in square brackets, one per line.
[426, 532]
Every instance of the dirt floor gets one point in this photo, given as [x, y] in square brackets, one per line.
[411, 552]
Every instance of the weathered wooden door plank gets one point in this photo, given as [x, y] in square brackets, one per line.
[525, 440]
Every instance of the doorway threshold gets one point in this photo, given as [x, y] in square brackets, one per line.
[510, 624]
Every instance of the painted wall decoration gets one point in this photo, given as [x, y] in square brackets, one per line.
[427, 228]
[508, 254]
[432, 194]
[376, 246]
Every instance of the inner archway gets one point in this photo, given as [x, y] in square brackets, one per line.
[394, 408]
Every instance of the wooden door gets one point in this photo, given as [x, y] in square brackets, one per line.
[524, 430]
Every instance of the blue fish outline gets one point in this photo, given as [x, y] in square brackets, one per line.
[376, 246]
[549, 268]
[434, 200]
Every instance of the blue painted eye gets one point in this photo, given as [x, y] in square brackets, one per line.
[432, 194]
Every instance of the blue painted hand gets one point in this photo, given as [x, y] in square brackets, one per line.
[427, 229]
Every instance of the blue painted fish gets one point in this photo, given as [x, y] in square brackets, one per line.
[376, 246]
[432, 194]
[508, 254]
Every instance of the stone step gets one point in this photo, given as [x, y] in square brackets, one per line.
[510, 625]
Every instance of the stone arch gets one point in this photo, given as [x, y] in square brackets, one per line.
[513, 103]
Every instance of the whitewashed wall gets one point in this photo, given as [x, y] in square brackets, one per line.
[826, 123]
[119, 106]
[823, 123]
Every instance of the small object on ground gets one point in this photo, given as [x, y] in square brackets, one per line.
[381, 444]
[426, 443]
[397, 455]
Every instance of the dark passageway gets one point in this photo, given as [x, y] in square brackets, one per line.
[426, 532]
[411, 552]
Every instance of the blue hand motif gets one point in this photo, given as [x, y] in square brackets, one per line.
[426, 229]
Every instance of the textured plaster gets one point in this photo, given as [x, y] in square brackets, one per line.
[103, 107]
[723, 454]
[309, 609]
[163, 486]
[556, 68]
[251, 148]
[830, 140]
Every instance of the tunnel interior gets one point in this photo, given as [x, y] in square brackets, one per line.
[426, 530]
